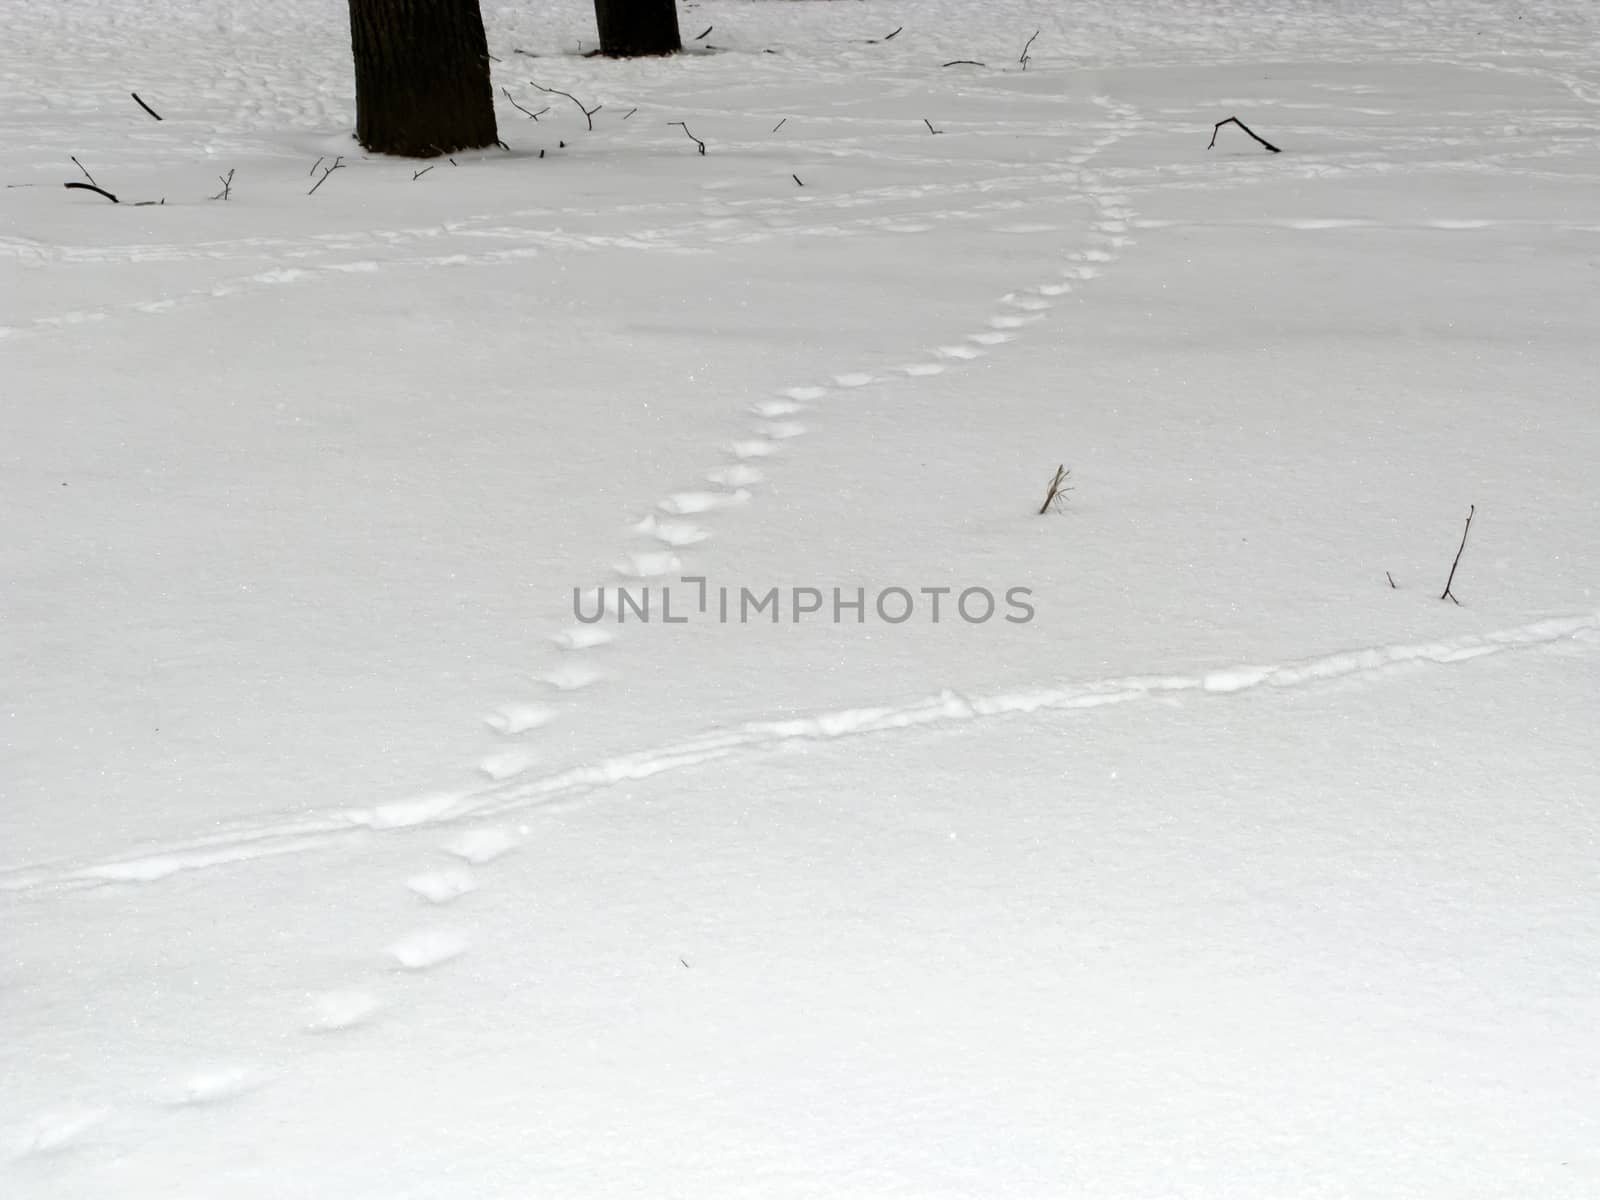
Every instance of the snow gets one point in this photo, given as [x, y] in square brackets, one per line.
[342, 854]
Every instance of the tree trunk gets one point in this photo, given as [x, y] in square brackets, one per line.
[422, 77]
[632, 28]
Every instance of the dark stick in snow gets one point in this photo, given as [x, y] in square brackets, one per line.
[796, 178]
[89, 187]
[145, 106]
[692, 137]
[532, 115]
[1057, 490]
[338, 162]
[588, 113]
[929, 124]
[227, 186]
[779, 125]
[965, 62]
[1246, 128]
[1447, 594]
[1026, 45]
[700, 37]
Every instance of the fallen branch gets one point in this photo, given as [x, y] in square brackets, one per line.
[145, 106]
[416, 175]
[796, 178]
[588, 113]
[780, 125]
[81, 167]
[338, 162]
[1057, 490]
[629, 113]
[1390, 578]
[1246, 128]
[700, 37]
[89, 187]
[1025, 47]
[965, 62]
[692, 137]
[227, 186]
[929, 124]
[888, 37]
[1447, 594]
[534, 116]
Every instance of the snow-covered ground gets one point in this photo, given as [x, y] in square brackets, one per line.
[339, 859]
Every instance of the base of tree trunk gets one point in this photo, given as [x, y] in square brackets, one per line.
[422, 77]
[637, 28]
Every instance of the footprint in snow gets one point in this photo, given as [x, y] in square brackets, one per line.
[1054, 289]
[853, 379]
[1026, 303]
[738, 476]
[687, 503]
[443, 886]
[333, 1011]
[53, 1132]
[776, 408]
[518, 718]
[651, 564]
[212, 1085]
[583, 637]
[992, 338]
[752, 448]
[506, 764]
[963, 352]
[1085, 272]
[671, 533]
[1011, 322]
[427, 948]
[480, 846]
[571, 677]
[919, 370]
[782, 431]
[804, 394]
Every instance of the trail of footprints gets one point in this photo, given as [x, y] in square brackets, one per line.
[658, 540]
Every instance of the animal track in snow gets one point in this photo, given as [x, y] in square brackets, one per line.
[333, 1011]
[776, 408]
[671, 533]
[922, 370]
[443, 886]
[582, 637]
[1012, 322]
[752, 448]
[959, 352]
[518, 718]
[427, 948]
[782, 431]
[212, 1085]
[991, 338]
[739, 475]
[571, 677]
[479, 846]
[53, 1132]
[651, 564]
[687, 503]
[805, 394]
[853, 379]
[505, 764]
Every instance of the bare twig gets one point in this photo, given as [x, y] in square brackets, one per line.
[588, 113]
[929, 124]
[965, 62]
[81, 167]
[885, 38]
[796, 178]
[416, 175]
[314, 167]
[1057, 490]
[629, 113]
[534, 116]
[1025, 48]
[700, 37]
[692, 137]
[338, 162]
[145, 106]
[780, 125]
[90, 187]
[227, 186]
[1447, 594]
[1390, 578]
[1246, 128]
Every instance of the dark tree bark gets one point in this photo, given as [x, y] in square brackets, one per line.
[422, 77]
[633, 28]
